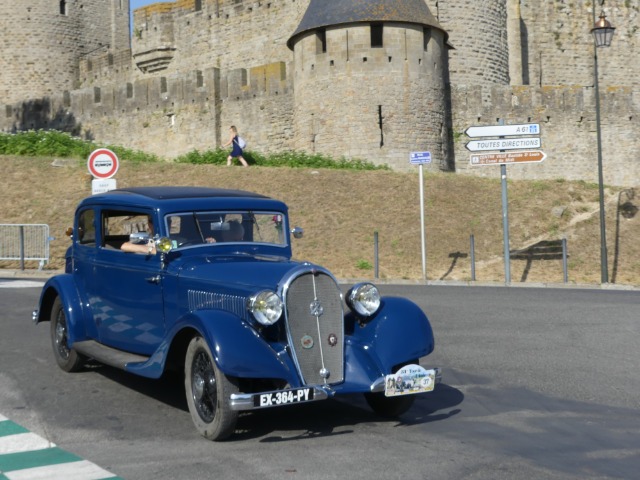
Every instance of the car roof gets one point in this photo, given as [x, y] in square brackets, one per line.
[166, 192]
[173, 198]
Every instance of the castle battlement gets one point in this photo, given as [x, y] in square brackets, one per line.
[373, 82]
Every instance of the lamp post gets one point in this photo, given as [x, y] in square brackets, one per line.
[602, 34]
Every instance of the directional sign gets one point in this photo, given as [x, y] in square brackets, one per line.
[503, 130]
[419, 158]
[103, 163]
[532, 156]
[504, 144]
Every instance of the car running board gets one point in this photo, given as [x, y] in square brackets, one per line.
[107, 355]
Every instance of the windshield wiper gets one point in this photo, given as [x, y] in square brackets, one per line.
[195, 219]
[255, 222]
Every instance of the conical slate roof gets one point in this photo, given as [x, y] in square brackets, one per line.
[326, 13]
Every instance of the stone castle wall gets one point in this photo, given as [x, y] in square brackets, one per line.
[213, 63]
[568, 130]
[44, 41]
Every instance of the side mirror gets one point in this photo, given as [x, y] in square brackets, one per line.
[297, 232]
[139, 237]
[69, 232]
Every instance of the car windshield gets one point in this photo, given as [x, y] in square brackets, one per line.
[194, 228]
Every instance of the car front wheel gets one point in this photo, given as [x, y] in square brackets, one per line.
[208, 392]
[389, 407]
[67, 358]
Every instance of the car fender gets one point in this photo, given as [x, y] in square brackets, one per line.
[399, 332]
[238, 349]
[63, 286]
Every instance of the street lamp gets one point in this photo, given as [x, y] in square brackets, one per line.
[602, 34]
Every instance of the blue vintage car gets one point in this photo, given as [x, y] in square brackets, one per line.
[201, 280]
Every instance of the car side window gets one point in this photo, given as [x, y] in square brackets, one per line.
[118, 225]
[87, 228]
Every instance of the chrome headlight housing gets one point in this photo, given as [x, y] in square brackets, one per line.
[266, 307]
[364, 298]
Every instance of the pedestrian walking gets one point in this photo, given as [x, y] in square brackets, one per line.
[238, 145]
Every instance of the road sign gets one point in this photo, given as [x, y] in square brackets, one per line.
[503, 130]
[101, 186]
[504, 144]
[103, 163]
[420, 158]
[481, 159]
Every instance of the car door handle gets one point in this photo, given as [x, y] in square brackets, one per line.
[155, 279]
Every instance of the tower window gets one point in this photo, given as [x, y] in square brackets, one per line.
[321, 41]
[426, 32]
[376, 35]
[198, 5]
[63, 7]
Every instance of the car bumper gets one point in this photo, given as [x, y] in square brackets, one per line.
[254, 401]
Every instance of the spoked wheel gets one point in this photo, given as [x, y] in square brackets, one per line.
[208, 392]
[67, 358]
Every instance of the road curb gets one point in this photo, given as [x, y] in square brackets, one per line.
[45, 274]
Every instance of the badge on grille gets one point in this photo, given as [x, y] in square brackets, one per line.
[333, 339]
[316, 308]
[307, 342]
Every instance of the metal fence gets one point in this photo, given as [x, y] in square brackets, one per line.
[25, 242]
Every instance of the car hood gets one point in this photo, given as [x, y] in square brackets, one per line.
[237, 273]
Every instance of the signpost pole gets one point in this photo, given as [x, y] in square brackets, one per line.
[528, 156]
[422, 229]
[505, 220]
[505, 224]
[420, 158]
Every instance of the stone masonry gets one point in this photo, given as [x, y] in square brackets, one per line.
[191, 68]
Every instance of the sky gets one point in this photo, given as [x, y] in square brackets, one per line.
[133, 4]
[141, 3]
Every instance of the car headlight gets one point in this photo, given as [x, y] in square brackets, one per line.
[364, 299]
[266, 307]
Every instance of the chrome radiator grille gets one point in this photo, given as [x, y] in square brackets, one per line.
[315, 327]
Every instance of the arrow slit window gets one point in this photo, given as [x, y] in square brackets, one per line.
[376, 35]
[426, 37]
[321, 41]
[63, 7]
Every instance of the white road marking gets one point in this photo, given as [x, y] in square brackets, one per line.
[23, 442]
[20, 284]
[82, 470]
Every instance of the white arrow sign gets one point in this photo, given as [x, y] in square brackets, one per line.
[503, 130]
[504, 144]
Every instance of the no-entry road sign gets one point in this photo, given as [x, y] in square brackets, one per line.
[482, 159]
[103, 163]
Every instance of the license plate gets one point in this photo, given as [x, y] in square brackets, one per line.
[284, 397]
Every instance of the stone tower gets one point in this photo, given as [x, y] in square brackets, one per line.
[44, 41]
[481, 52]
[369, 80]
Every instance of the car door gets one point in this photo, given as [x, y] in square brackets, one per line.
[124, 291]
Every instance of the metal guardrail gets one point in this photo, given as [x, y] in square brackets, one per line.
[25, 242]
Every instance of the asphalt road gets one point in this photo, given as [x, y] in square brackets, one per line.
[538, 383]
